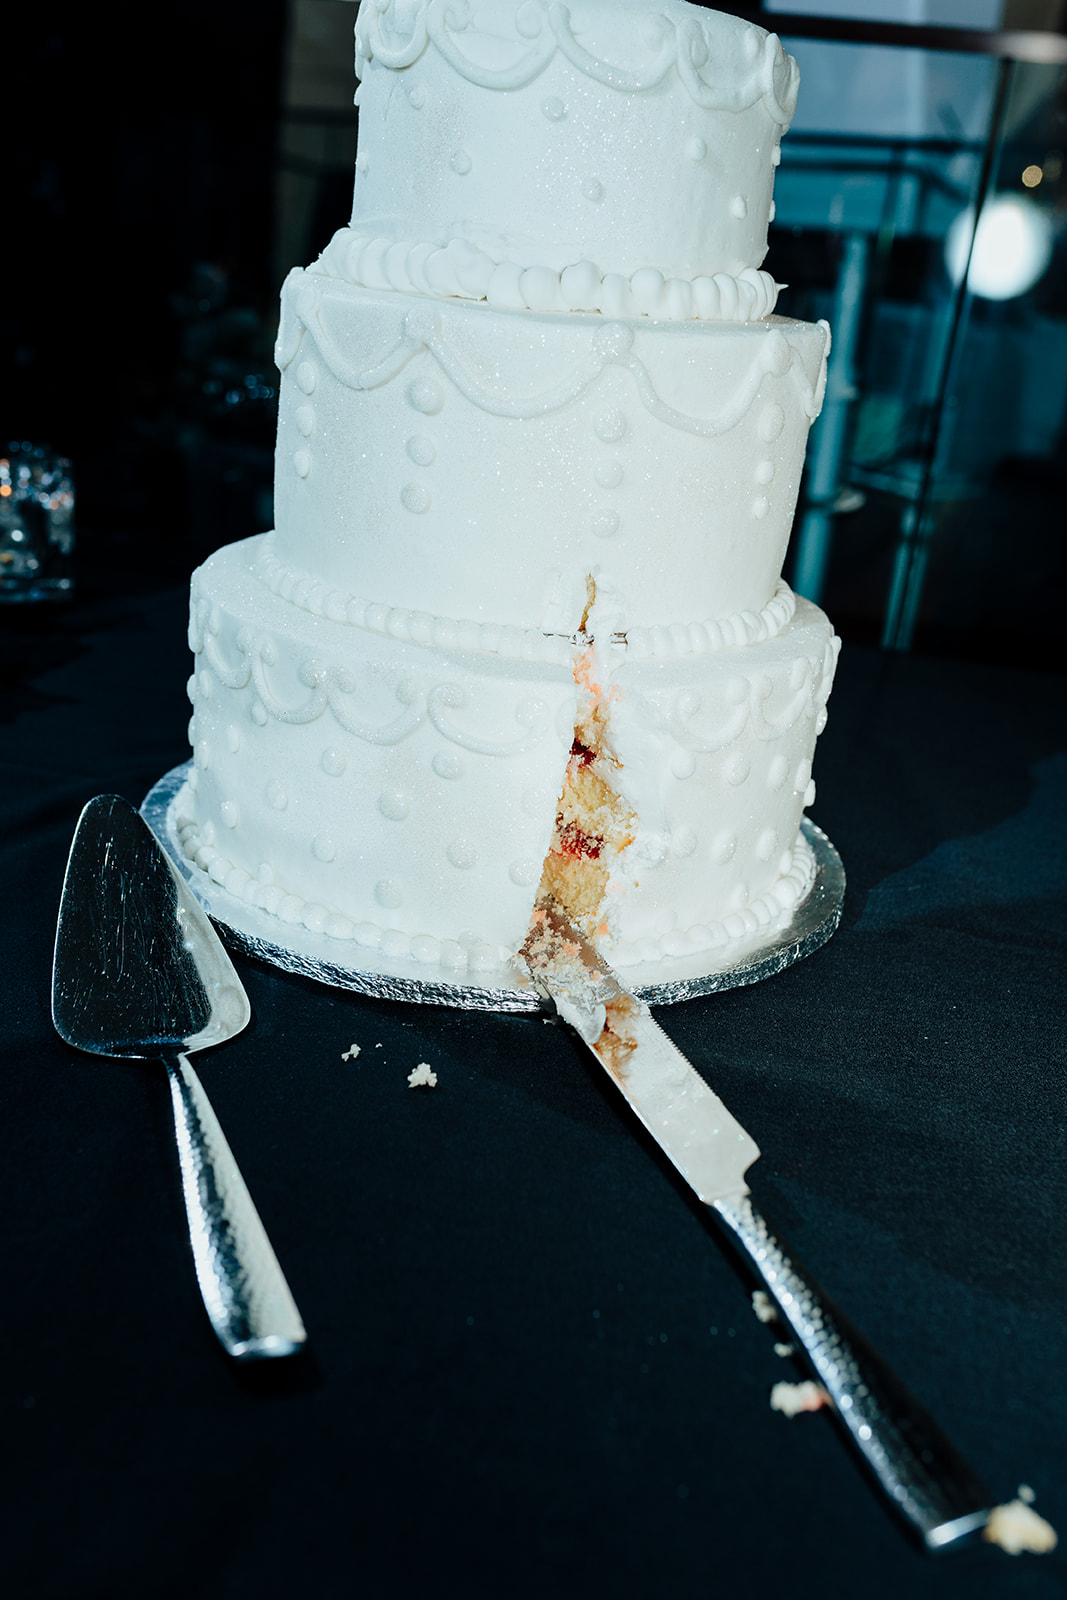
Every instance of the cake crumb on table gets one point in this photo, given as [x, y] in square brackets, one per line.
[785, 1349]
[1017, 1527]
[351, 1053]
[764, 1306]
[793, 1398]
[422, 1077]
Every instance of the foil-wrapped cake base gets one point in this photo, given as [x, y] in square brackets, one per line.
[253, 932]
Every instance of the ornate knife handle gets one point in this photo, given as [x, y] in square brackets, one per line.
[921, 1472]
[244, 1292]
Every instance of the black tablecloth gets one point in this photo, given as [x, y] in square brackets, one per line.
[535, 1371]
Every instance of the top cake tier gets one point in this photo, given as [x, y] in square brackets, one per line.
[607, 155]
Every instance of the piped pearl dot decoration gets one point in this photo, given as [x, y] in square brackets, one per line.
[277, 795]
[229, 814]
[723, 847]
[447, 764]
[683, 764]
[610, 426]
[771, 422]
[362, 161]
[809, 795]
[764, 471]
[696, 149]
[204, 684]
[524, 873]
[803, 776]
[258, 712]
[683, 841]
[614, 341]
[421, 449]
[333, 763]
[771, 210]
[426, 396]
[785, 863]
[233, 739]
[760, 507]
[460, 163]
[302, 463]
[608, 474]
[305, 420]
[777, 771]
[605, 524]
[393, 806]
[462, 854]
[324, 848]
[766, 844]
[553, 108]
[306, 376]
[593, 190]
[739, 207]
[388, 894]
[737, 769]
[417, 97]
[415, 497]
[776, 156]
[202, 754]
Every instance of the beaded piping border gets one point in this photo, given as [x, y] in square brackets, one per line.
[460, 270]
[447, 954]
[528, 644]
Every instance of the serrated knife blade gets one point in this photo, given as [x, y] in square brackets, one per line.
[924, 1477]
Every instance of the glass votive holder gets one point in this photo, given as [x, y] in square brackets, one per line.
[36, 524]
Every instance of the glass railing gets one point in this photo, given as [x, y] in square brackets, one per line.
[920, 209]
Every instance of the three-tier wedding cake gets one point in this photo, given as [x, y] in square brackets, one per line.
[520, 627]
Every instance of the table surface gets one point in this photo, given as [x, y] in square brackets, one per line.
[534, 1368]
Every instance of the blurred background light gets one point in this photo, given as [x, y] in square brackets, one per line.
[1012, 247]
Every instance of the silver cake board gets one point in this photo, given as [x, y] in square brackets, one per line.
[250, 931]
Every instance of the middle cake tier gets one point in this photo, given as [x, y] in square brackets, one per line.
[470, 466]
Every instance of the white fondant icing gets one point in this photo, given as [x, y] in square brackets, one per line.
[697, 735]
[594, 78]
[534, 405]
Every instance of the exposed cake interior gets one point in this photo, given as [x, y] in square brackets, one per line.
[594, 824]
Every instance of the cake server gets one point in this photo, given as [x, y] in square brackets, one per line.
[140, 972]
[920, 1471]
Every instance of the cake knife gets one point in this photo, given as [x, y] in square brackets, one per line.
[140, 972]
[924, 1477]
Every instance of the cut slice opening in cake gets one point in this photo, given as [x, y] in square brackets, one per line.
[594, 824]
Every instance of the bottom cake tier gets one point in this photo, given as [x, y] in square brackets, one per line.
[400, 797]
